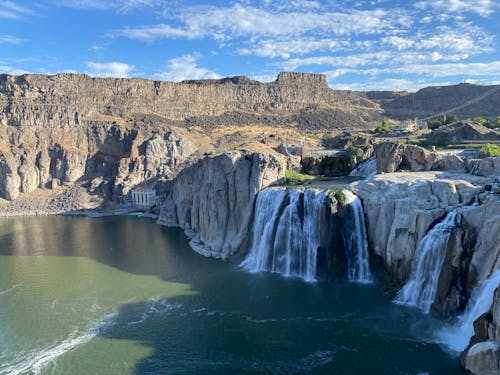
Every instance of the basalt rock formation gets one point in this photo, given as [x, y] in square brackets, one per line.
[401, 208]
[462, 131]
[71, 99]
[117, 133]
[464, 100]
[110, 158]
[213, 199]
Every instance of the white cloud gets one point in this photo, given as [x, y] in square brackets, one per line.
[467, 71]
[160, 31]
[481, 7]
[223, 23]
[398, 42]
[111, 69]
[468, 39]
[9, 9]
[11, 39]
[451, 69]
[392, 84]
[5, 69]
[185, 67]
[281, 48]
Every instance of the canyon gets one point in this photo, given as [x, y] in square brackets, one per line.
[209, 149]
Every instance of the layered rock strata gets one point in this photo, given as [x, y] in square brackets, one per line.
[110, 158]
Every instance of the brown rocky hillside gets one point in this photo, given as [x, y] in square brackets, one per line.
[465, 100]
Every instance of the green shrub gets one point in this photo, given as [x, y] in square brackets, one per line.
[294, 176]
[489, 149]
[480, 120]
[340, 196]
[383, 127]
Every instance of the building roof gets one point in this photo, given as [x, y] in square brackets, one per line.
[143, 189]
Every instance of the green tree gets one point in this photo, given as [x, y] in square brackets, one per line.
[489, 149]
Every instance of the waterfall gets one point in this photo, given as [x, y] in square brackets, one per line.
[368, 169]
[420, 290]
[356, 243]
[458, 336]
[287, 232]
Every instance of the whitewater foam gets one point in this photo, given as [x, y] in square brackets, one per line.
[458, 336]
[155, 307]
[37, 361]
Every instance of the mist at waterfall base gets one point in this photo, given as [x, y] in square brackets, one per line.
[123, 295]
[457, 336]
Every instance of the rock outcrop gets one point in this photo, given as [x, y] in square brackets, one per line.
[392, 157]
[462, 131]
[74, 99]
[483, 358]
[483, 353]
[464, 100]
[400, 209]
[213, 199]
[115, 158]
[485, 167]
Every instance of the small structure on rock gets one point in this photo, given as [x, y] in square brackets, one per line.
[144, 197]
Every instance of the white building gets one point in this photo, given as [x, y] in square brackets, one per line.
[143, 197]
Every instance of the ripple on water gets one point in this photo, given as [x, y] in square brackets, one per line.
[36, 361]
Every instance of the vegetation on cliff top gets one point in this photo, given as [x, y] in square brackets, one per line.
[292, 176]
[489, 150]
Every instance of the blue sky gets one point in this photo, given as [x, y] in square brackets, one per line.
[359, 45]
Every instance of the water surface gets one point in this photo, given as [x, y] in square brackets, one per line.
[123, 295]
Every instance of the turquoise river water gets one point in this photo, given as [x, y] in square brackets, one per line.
[123, 295]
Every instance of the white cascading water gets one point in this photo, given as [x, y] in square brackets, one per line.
[420, 289]
[458, 336]
[368, 169]
[356, 243]
[286, 239]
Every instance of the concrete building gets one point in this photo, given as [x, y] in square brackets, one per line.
[143, 197]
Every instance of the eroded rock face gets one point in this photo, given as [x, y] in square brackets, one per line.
[213, 199]
[400, 209]
[483, 222]
[483, 358]
[121, 157]
[486, 167]
[392, 157]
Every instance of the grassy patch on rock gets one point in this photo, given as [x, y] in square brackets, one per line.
[292, 176]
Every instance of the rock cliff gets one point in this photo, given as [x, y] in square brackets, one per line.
[72, 99]
[401, 207]
[464, 100]
[110, 158]
[213, 199]
[113, 134]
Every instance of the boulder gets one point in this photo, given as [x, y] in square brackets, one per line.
[485, 167]
[29, 176]
[483, 358]
[450, 163]
[393, 157]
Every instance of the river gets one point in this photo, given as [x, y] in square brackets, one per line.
[122, 295]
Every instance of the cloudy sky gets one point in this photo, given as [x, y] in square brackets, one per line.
[359, 45]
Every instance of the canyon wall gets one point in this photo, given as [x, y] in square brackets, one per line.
[113, 134]
[213, 200]
[73, 99]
